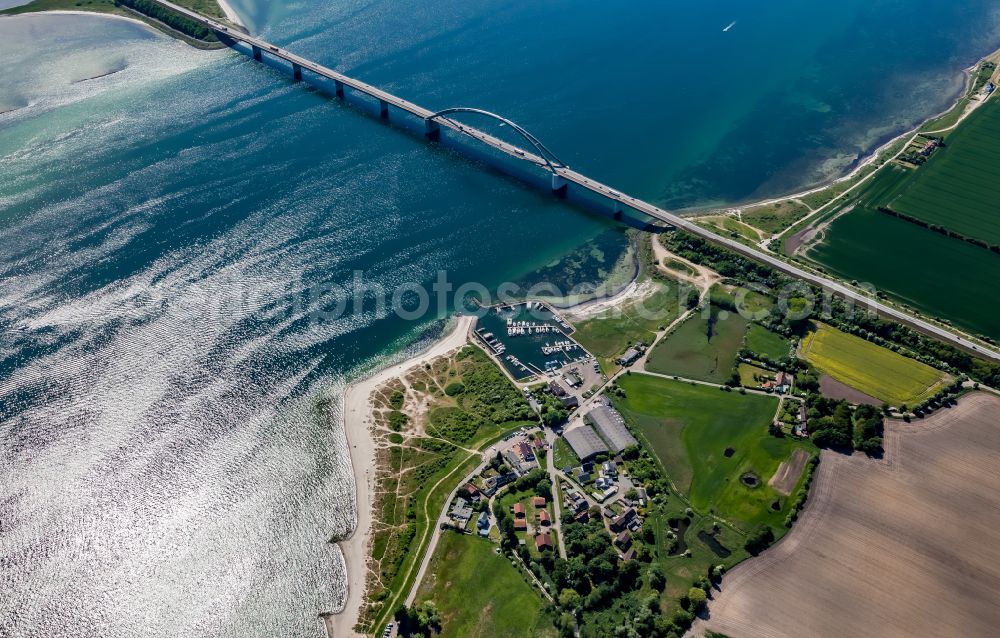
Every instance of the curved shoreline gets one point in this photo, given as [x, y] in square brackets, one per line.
[147, 21]
[357, 412]
[860, 164]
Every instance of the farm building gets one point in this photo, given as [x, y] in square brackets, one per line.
[611, 427]
[630, 357]
[585, 442]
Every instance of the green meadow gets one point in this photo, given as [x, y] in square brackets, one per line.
[608, 335]
[704, 347]
[479, 594]
[691, 427]
[767, 343]
[774, 217]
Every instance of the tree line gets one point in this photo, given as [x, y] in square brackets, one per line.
[172, 19]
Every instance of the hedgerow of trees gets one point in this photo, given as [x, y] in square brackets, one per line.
[170, 18]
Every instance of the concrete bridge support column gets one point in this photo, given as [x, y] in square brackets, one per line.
[296, 72]
[432, 129]
[256, 52]
[618, 209]
[383, 109]
[338, 87]
[559, 186]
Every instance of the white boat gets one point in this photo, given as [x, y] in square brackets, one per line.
[731, 25]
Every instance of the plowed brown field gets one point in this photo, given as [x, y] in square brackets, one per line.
[906, 546]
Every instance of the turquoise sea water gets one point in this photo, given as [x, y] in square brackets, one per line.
[170, 235]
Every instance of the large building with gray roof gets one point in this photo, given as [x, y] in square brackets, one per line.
[585, 442]
[610, 425]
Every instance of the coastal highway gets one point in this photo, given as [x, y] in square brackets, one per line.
[781, 265]
[565, 173]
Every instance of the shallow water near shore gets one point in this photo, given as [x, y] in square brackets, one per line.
[169, 375]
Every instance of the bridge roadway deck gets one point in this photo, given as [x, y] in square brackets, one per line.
[596, 187]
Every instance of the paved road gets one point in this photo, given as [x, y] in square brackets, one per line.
[565, 173]
[550, 438]
[442, 518]
[780, 265]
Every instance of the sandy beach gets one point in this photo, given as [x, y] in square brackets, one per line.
[357, 424]
[231, 15]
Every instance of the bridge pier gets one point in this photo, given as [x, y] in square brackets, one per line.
[432, 130]
[618, 209]
[559, 186]
[256, 52]
[383, 109]
[296, 72]
[338, 88]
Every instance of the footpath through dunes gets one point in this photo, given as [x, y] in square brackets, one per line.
[905, 546]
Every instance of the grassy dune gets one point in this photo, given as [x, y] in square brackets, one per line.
[874, 370]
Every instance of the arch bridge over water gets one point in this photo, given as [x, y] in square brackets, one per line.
[563, 176]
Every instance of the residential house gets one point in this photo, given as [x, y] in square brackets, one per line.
[524, 451]
[623, 540]
[557, 389]
[471, 492]
[569, 401]
[543, 542]
[623, 520]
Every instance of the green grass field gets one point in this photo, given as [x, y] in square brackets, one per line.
[876, 371]
[480, 594]
[774, 217]
[611, 333]
[937, 275]
[689, 427]
[959, 186]
[689, 351]
[749, 375]
[767, 343]
[725, 224]
[563, 455]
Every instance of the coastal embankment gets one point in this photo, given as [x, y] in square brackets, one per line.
[358, 421]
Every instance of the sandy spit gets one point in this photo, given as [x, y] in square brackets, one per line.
[361, 443]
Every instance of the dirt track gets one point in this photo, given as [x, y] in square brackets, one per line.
[906, 546]
[788, 473]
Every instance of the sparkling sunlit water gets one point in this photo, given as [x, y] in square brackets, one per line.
[170, 451]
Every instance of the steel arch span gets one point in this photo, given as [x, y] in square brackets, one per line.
[551, 160]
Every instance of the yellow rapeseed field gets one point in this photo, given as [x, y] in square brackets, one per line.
[872, 369]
